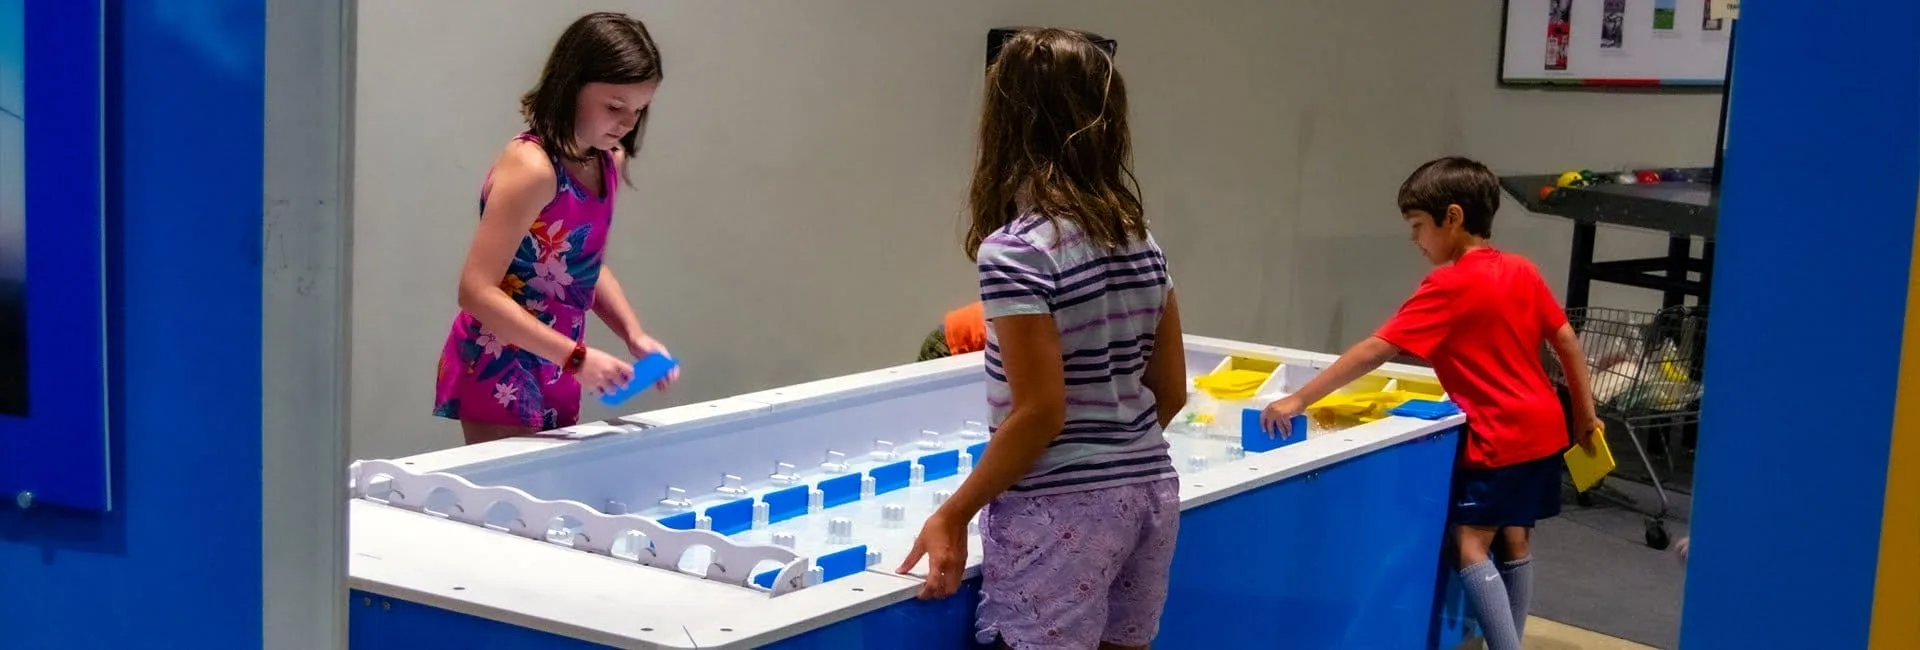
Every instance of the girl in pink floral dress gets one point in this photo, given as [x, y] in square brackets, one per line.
[516, 360]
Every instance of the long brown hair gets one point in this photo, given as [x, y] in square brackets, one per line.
[1054, 140]
[602, 47]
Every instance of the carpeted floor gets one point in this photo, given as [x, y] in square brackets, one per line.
[1594, 570]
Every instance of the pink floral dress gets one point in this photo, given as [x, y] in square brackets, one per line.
[483, 379]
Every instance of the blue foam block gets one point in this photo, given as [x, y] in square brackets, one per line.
[682, 521]
[892, 476]
[940, 465]
[842, 563]
[1426, 409]
[976, 452]
[840, 490]
[786, 504]
[732, 517]
[647, 371]
[833, 566]
[1253, 439]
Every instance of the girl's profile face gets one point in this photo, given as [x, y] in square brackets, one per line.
[606, 112]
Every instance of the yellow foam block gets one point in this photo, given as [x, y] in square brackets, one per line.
[1232, 384]
[1588, 468]
[1363, 406]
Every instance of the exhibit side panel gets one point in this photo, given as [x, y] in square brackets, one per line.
[1803, 478]
[177, 563]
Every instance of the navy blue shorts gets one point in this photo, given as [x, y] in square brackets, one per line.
[1515, 495]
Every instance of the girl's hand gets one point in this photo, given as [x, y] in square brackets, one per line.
[603, 373]
[944, 543]
[641, 345]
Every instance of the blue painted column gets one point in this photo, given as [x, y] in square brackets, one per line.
[177, 563]
[1811, 296]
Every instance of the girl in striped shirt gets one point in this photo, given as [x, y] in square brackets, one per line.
[1077, 496]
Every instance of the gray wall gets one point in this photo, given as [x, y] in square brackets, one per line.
[799, 191]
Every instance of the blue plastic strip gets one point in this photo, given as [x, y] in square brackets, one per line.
[977, 451]
[1254, 440]
[786, 504]
[647, 371]
[731, 517]
[892, 476]
[840, 490]
[682, 521]
[833, 566]
[941, 465]
[842, 563]
[1426, 409]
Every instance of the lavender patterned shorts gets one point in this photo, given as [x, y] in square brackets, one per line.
[1073, 570]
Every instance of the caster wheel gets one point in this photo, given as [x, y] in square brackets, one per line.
[1657, 535]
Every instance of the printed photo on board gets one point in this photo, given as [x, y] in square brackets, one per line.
[1559, 27]
[1663, 11]
[1613, 21]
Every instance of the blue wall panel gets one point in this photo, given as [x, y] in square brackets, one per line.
[1815, 235]
[177, 563]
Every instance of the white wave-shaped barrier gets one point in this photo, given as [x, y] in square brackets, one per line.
[572, 524]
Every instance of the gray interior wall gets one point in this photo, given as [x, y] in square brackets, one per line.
[799, 191]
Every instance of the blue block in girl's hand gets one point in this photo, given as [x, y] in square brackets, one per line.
[647, 371]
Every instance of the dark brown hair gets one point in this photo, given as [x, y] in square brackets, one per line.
[1054, 140]
[1454, 180]
[603, 47]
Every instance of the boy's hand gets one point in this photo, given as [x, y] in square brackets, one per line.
[1277, 417]
[1583, 432]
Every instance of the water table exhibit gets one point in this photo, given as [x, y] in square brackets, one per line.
[776, 519]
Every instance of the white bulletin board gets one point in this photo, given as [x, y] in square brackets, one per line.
[1614, 43]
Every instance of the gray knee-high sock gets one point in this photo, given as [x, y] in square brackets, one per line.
[1489, 596]
[1518, 576]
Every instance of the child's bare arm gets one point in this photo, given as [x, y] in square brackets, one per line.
[1030, 354]
[1166, 375]
[1573, 359]
[1356, 362]
[522, 183]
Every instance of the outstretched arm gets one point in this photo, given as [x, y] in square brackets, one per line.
[1364, 357]
[1420, 326]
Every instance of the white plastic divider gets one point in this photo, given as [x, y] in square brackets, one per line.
[391, 484]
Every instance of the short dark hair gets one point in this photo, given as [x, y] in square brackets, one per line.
[601, 47]
[1454, 180]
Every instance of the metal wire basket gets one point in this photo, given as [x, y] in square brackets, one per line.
[1640, 363]
[1645, 371]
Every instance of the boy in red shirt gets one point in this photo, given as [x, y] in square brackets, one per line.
[1479, 319]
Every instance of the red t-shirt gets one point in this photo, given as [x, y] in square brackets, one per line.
[1481, 322]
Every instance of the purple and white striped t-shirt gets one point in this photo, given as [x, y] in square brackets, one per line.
[1107, 306]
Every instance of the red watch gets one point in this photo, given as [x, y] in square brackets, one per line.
[575, 359]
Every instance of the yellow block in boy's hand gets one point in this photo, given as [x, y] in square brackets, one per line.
[1588, 468]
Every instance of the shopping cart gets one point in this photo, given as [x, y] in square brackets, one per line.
[1645, 371]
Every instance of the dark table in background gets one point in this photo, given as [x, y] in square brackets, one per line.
[1681, 210]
